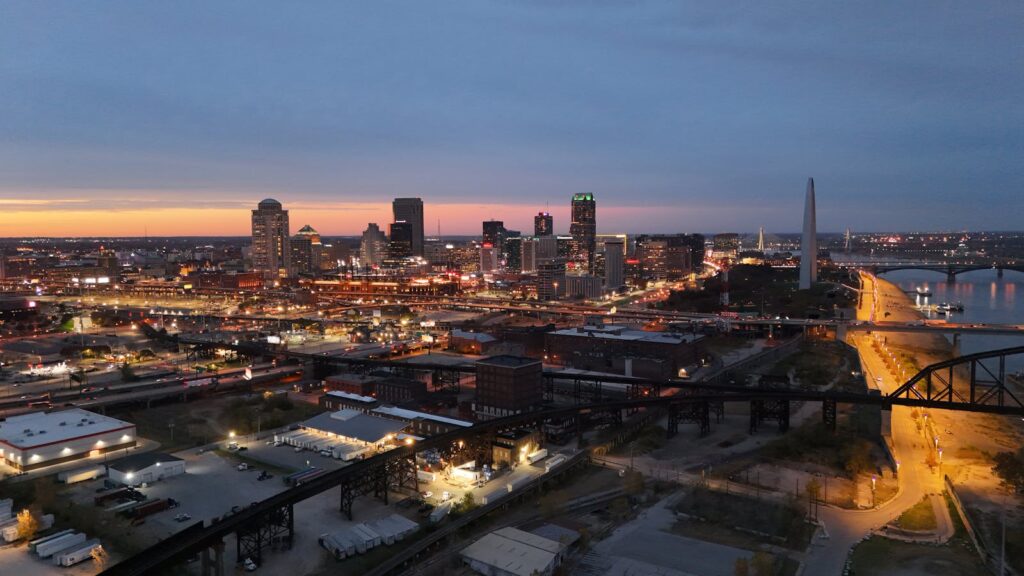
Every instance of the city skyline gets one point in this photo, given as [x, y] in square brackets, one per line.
[677, 117]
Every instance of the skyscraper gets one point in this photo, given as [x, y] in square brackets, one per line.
[271, 254]
[411, 210]
[550, 278]
[809, 241]
[614, 258]
[760, 240]
[494, 234]
[307, 251]
[401, 240]
[583, 231]
[373, 246]
[543, 224]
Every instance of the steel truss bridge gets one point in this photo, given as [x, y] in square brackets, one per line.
[950, 270]
[969, 384]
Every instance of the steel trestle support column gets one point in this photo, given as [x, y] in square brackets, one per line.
[828, 414]
[275, 527]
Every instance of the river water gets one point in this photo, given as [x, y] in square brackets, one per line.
[986, 298]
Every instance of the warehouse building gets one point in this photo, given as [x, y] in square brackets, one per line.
[353, 426]
[145, 468]
[513, 552]
[621, 350]
[32, 441]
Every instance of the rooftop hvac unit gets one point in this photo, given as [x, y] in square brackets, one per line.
[63, 423]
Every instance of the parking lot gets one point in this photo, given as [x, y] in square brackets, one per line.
[210, 487]
[285, 458]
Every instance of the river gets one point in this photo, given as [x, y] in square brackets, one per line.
[986, 299]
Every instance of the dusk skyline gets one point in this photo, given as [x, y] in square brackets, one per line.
[136, 119]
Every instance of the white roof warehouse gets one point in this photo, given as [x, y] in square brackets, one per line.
[31, 441]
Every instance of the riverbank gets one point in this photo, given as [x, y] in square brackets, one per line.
[937, 443]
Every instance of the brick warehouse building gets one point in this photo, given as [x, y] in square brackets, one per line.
[507, 385]
[619, 350]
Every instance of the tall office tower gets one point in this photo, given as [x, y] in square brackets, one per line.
[550, 278]
[374, 246]
[494, 234]
[614, 261]
[809, 241]
[726, 245]
[529, 255]
[547, 247]
[271, 255]
[488, 258]
[583, 231]
[847, 241]
[760, 240]
[401, 240]
[543, 224]
[307, 251]
[411, 210]
[667, 256]
[513, 255]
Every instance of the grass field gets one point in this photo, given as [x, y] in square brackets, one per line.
[183, 425]
[881, 557]
[920, 516]
[743, 521]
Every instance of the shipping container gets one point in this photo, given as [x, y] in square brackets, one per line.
[79, 554]
[82, 474]
[330, 543]
[43, 539]
[47, 549]
[115, 494]
[538, 456]
[554, 461]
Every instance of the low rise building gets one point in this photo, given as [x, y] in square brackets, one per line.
[620, 350]
[32, 441]
[465, 342]
[337, 400]
[513, 552]
[422, 423]
[145, 468]
[359, 384]
[398, 390]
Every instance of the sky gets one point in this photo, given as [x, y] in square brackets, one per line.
[176, 118]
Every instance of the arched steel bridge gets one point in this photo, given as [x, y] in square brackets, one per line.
[274, 516]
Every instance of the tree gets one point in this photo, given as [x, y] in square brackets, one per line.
[467, 503]
[742, 567]
[619, 508]
[633, 483]
[1010, 468]
[100, 556]
[763, 564]
[28, 524]
[127, 374]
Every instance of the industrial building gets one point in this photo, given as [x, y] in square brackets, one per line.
[507, 385]
[620, 350]
[39, 439]
[145, 468]
[513, 552]
[421, 423]
[352, 426]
